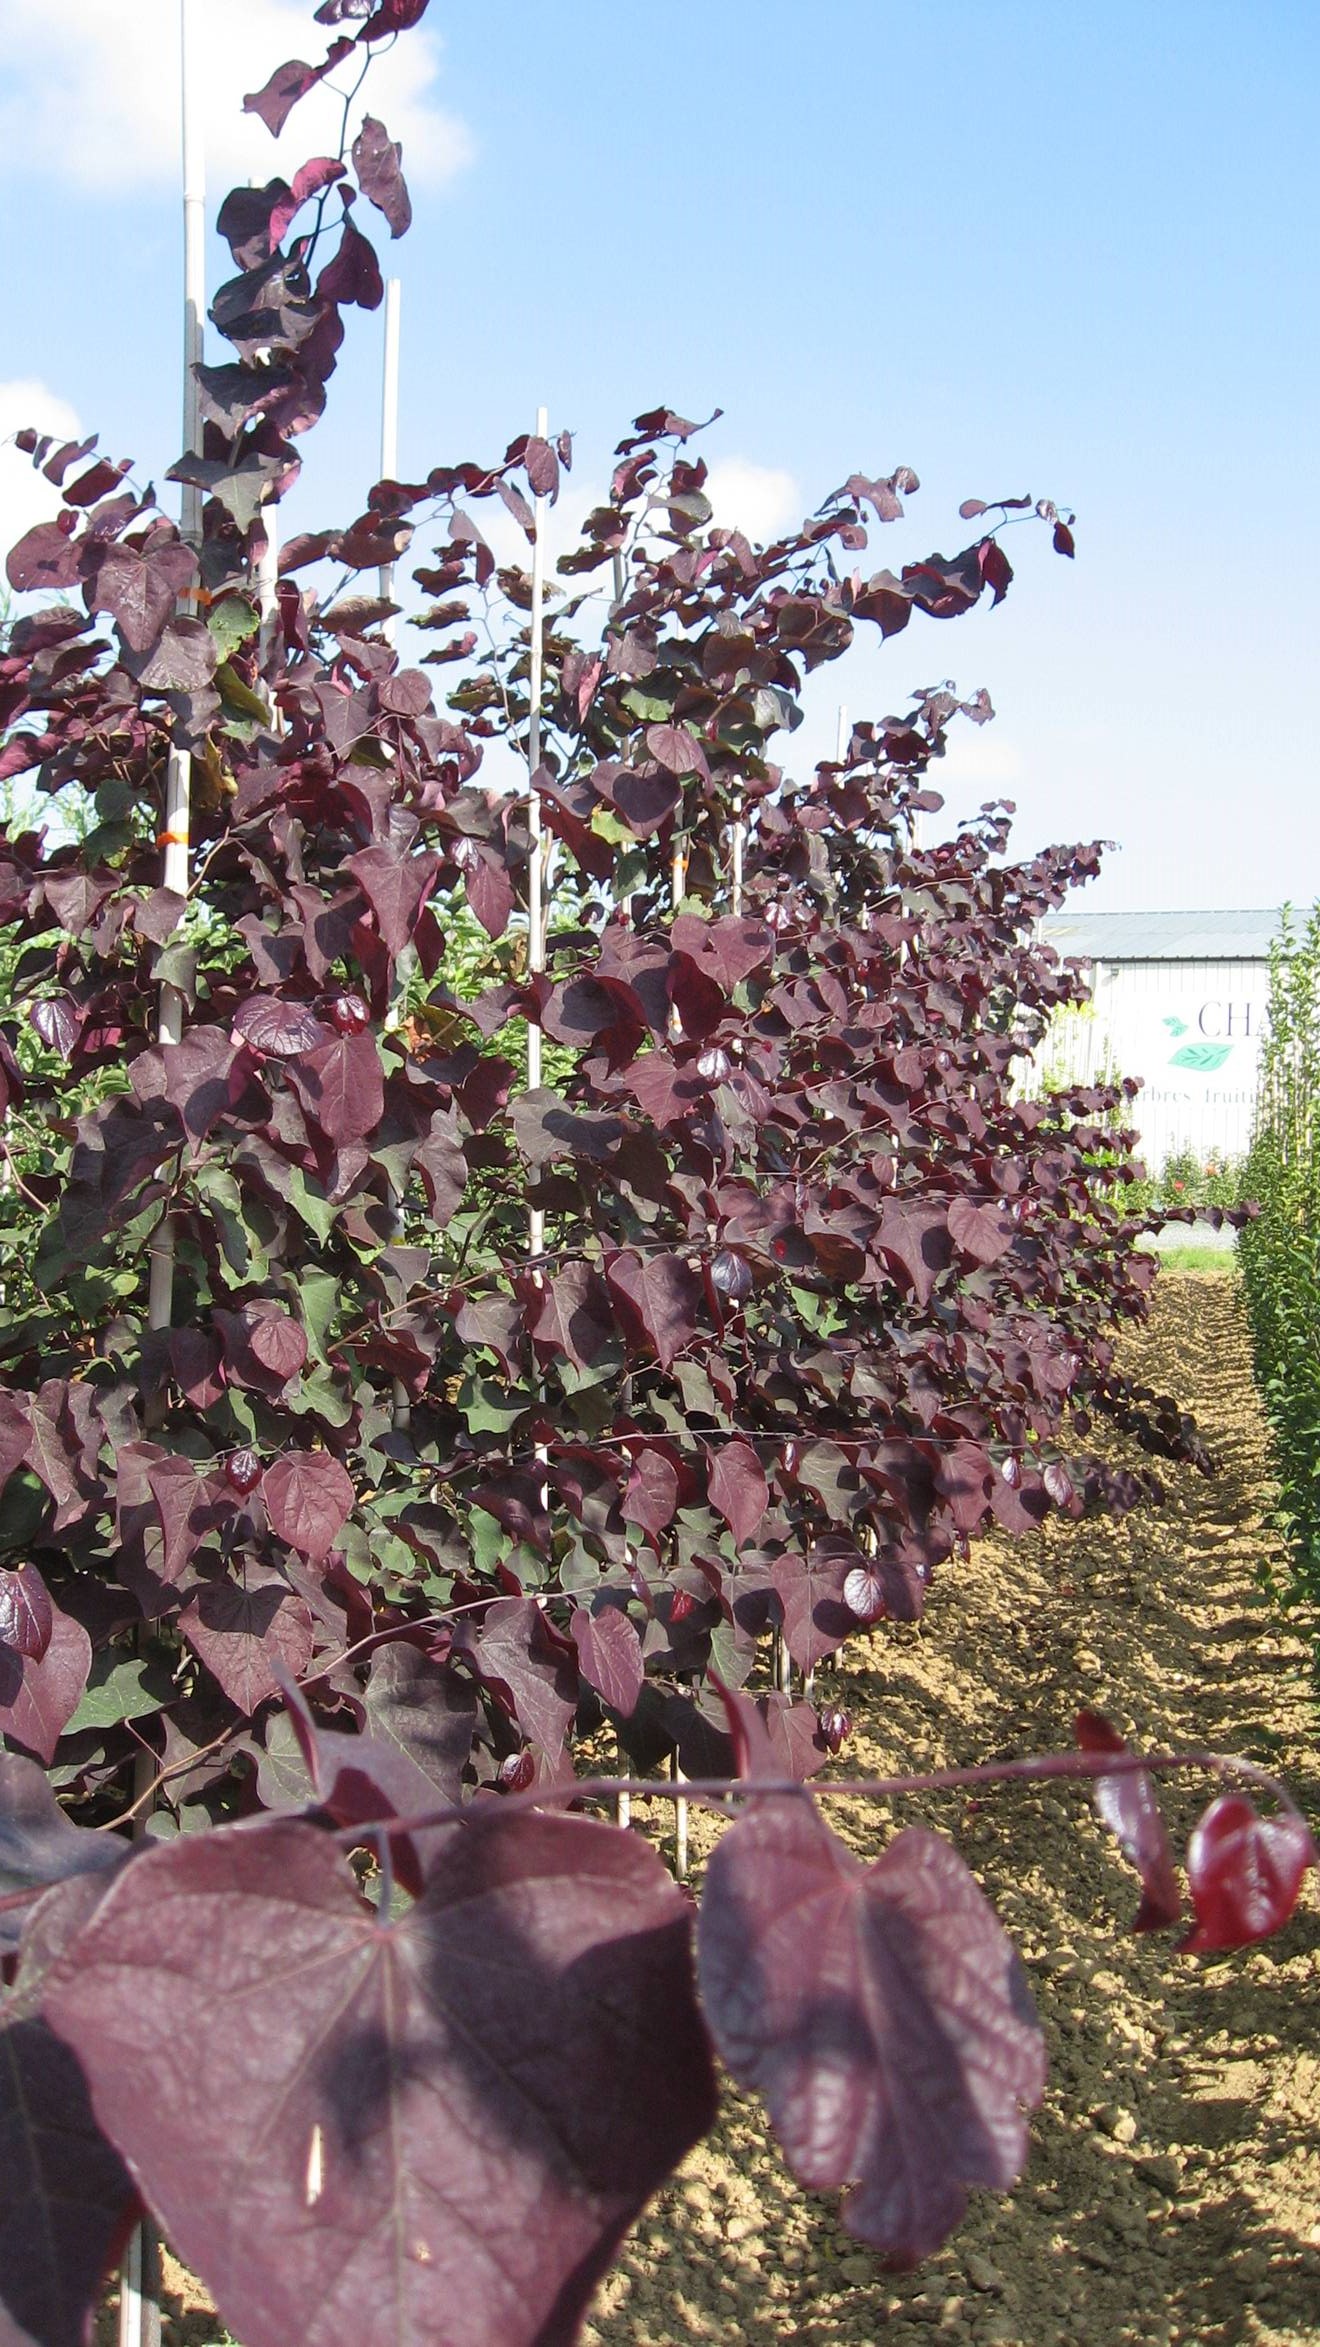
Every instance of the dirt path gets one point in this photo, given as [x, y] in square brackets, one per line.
[1173, 2193]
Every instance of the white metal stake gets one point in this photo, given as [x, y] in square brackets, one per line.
[389, 471]
[178, 773]
[389, 428]
[139, 2289]
[268, 573]
[677, 884]
[536, 848]
[842, 737]
[680, 1824]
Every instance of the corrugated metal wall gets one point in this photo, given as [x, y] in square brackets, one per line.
[1190, 1030]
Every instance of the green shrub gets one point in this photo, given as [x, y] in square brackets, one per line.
[1280, 1251]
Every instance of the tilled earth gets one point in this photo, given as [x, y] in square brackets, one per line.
[1173, 2192]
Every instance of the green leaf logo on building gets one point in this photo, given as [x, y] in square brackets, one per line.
[1176, 1026]
[1205, 1058]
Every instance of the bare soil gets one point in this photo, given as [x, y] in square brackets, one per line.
[1173, 2191]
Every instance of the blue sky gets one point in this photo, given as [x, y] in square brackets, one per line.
[1069, 250]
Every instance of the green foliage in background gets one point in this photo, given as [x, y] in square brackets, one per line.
[1280, 1252]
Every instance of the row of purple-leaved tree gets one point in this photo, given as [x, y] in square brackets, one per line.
[395, 1513]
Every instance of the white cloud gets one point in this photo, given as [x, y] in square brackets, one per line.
[91, 93]
[759, 500]
[25, 498]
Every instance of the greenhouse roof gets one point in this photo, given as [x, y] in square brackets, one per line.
[1162, 937]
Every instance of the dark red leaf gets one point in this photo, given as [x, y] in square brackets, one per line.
[67, 2200]
[38, 1699]
[280, 1345]
[1244, 1872]
[738, 1489]
[140, 588]
[57, 1021]
[27, 1617]
[423, 1710]
[650, 1496]
[677, 750]
[395, 887]
[249, 1635]
[542, 468]
[182, 660]
[1130, 1808]
[39, 1846]
[276, 101]
[610, 1656]
[883, 1588]
[309, 1498]
[914, 1237]
[664, 1294]
[352, 277]
[459, 2111]
[515, 1651]
[278, 1025]
[983, 1232]
[343, 1087]
[1064, 541]
[45, 559]
[812, 1591]
[376, 163]
[880, 2011]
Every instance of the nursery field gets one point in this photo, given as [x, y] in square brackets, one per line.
[1174, 2188]
[1173, 2193]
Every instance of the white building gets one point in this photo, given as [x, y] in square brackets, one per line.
[1178, 999]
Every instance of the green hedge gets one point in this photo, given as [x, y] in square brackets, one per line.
[1280, 1252]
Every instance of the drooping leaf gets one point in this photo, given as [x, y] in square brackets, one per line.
[738, 1489]
[182, 660]
[290, 82]
[651, 1494]
[248, 1633]
[377, 161]
[663, 1293]
[516, 1654]
[811, 1589]
[343, 1087]
[1130, 1808]
[39, 1844]
[395, 887]
[1244, 1872]
[610, 1656]
[425, 1709]
[66, 2199]
[459, 2111]
[914, 1239]
[983, 1232]
[880, 2011]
